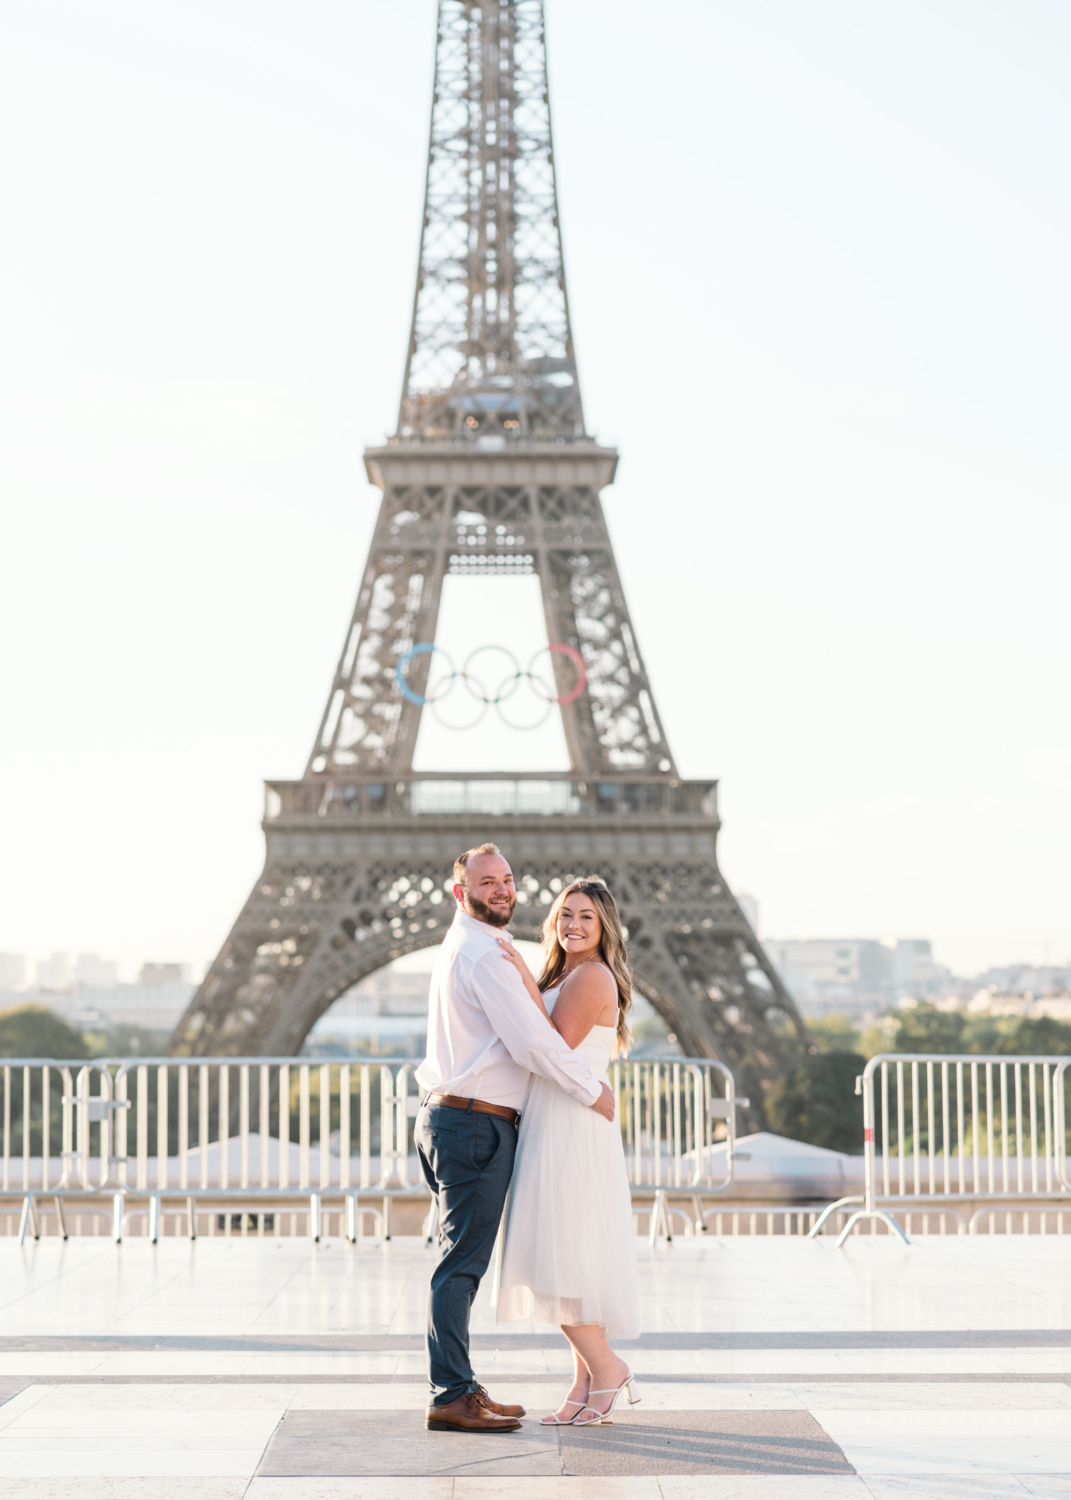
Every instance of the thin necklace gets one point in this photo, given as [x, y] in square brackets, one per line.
[564, 975]
[591, 956]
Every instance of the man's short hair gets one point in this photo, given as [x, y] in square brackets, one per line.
[461, 862]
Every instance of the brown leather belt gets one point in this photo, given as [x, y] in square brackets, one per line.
[477, 1106]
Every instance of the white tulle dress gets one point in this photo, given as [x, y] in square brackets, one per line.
[567, 1249]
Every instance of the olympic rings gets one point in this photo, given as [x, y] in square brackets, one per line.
[578, 662]
[438, 689]
[424, 649]
[477, 690]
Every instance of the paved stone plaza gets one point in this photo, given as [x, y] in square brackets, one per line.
[279, 1370]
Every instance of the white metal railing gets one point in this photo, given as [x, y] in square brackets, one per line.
[747, 1220]
[670, 1111]
[269, 1131]
[974, 1134]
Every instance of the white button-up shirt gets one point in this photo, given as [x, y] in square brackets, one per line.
[485, 1036]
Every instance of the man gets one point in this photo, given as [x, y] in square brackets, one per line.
[484, 1039]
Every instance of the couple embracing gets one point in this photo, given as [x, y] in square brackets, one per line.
[517, 1114]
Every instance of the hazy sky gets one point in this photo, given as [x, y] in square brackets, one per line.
[818, 261]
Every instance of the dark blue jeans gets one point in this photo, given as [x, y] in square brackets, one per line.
[467, 1161]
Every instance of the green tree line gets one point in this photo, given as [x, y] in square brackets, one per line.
[816, 1101]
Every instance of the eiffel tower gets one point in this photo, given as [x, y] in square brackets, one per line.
[491, 471]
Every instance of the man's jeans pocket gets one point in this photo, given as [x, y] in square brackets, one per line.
[457, 1142]
[442, 1120]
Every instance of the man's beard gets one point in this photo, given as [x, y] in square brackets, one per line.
[483, 913]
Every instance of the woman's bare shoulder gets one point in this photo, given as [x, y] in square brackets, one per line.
[591, 981]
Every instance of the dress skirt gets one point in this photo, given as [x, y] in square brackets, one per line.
[567, 1249]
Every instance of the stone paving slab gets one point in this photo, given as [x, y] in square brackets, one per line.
[336, 1443]
[315, 1443]
[703, 1442]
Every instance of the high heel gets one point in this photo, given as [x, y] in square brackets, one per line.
[555, 1421]
[606, 1417]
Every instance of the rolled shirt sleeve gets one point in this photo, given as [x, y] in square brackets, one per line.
[527, 1036]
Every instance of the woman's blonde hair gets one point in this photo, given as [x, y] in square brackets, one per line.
[611, 949]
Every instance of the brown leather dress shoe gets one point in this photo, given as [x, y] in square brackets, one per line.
[467, 1414]
[497, 1407]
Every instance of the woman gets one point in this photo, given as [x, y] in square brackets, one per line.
[567, 1253]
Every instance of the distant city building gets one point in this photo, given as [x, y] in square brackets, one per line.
[55, 973]
[101, 973]
[12, 970]
[993, 1002]
[856, 975]
[164, 974]
[914, 971]
[87, 994]
[385, 1013]
[59, 973]
[156, 1007]
[1026, 979]
[831, 973]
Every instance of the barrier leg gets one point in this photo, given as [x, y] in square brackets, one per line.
[386, 1218]
[659, 1219]
[700, 1222]
[314, 1217]
[431, 1221]
[357, 1210]
[154, 1217]
[874, 1213]
[28, 1219]
[830, 1208]
[667, 1222]
[117, 1217]
[191, 1219]
[58, 1201]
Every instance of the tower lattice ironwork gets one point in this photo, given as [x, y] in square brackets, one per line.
[491, 471]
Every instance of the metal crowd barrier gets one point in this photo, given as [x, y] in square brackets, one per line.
[973, 1136]
[260, 1134]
